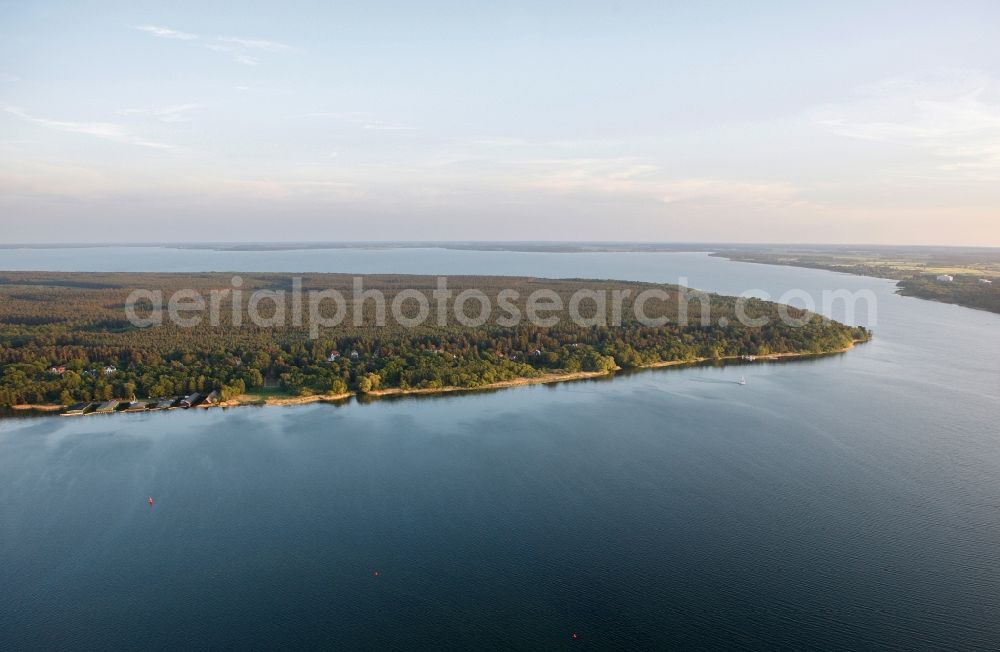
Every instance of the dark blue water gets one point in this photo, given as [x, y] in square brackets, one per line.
[850, 502]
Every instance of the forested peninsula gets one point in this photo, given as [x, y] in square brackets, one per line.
[65, 337]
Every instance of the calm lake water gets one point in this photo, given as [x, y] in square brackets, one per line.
[848, 502]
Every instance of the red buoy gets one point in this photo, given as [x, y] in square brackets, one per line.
[150, 500]
[574, 636]
[375, 573]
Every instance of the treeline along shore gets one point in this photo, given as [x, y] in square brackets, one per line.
[965, 276]
[71, 338]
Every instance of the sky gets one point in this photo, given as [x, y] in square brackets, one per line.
[836, 122]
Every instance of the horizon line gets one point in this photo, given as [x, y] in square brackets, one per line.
[343, 243]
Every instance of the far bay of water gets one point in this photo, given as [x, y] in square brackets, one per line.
[846, 502]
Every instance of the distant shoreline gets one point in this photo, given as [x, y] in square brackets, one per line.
[970, 285]
[545, 379]
[547, 246]
[914, 268]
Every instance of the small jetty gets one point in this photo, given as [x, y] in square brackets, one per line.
[118, 405]
[114, 405]
[166, 403]
[107, 407]
[79, 409]
[190, 400]
[211, 399]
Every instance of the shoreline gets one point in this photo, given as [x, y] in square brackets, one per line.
[545, 379]
[756, 358]
[901, 287]
[45, 407]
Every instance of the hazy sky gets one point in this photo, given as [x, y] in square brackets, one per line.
[654, 121]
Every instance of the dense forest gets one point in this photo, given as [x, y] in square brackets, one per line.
[64, 337]
[966, 290]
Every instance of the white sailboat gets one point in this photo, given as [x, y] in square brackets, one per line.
[742, 380]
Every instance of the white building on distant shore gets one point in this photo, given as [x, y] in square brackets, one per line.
[947, 278]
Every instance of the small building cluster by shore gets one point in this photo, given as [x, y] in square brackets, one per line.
[147, 405]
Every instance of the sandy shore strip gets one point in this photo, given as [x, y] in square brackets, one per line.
[513, 382]
[259, 400]
[40, 408]
[256, 399]
[756, 358]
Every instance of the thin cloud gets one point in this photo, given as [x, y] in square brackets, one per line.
[500, 142]
[363, 119]
[166, 32]
[629, 177]
[105, 130]
[256, 44]
[236, 47]
[385, 126]
[238, 55]
[176, 113]
[954, 121]
[350, 116]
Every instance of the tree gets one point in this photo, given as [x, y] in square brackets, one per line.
[231, 391]
[369, 382]
[103, 392]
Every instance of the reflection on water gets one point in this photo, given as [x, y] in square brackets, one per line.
[842, 502]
